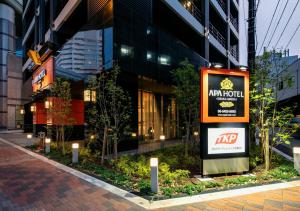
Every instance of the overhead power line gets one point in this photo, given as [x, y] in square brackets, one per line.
[257, 7]
[269, 27]
[281, 15]
[287, 23]
[287, 45]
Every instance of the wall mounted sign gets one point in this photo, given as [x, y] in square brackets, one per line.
[226, 140]
[224, 96]
[43, 76]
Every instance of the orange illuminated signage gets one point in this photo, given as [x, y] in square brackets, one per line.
[43, 76]
[224, 96]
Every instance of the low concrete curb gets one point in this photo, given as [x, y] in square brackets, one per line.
[163, 203]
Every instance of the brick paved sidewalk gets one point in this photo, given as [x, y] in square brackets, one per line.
[27, 183]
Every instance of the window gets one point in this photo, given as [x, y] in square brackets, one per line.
[164, 60]
[89, 96]
[280, 85]
[290, 81]
[126, 50]
[149, 55]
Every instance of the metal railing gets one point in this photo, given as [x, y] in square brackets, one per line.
[217, 35]
[193, 9]
[222, 4]
[234, 52]
[234, 22]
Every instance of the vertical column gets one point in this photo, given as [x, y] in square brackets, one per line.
[36, 23]
[7, 35]
[251, 35]
[41, 32]
[206, 25]
[228, 32]
[52, 18]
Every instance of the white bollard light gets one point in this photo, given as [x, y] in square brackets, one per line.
[75, 147]
[154, 175]
[296, 151]
[47, 145]
[162, 139]
[29, 137]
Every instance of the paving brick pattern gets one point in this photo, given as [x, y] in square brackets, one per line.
[27, 183]
[30, 184]
[283, 199]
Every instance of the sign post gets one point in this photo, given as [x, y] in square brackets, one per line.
[224, 117]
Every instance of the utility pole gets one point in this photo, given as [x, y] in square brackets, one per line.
[251, 34]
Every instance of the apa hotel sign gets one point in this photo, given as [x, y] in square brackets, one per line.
[224, 96]
[43, 76]
[224, 118]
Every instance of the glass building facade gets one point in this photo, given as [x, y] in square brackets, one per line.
[7, 45]
[147, 39]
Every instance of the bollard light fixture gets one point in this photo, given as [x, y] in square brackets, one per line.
[153, 162]
[47, 145]
[162, 137]
[75, 145]
[154, 175]
[47, 140]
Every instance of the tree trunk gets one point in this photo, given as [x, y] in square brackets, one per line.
[57, 138]
[104, 145]
[116, 147]
[63, 139]
[267, 150]
[186, 151]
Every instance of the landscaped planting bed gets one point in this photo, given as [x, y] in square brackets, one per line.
[176, 171]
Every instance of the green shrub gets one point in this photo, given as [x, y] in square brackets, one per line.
[283, 172]
[240, 180]
[144, 186]
[123, 165]
[167, 191]
[193, 188]
[255, 157]
[212, 184]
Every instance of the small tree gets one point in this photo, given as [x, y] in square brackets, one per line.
[111, 112]
[60, 110]
[272, 123]
[187, 96]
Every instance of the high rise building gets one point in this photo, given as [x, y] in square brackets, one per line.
[146, 38]
[10, 76]
[82, 53]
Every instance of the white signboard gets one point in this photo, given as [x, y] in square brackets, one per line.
[226, 140]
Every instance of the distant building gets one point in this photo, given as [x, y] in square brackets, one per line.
[82, 53]
[289, 85]
[10, 64]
